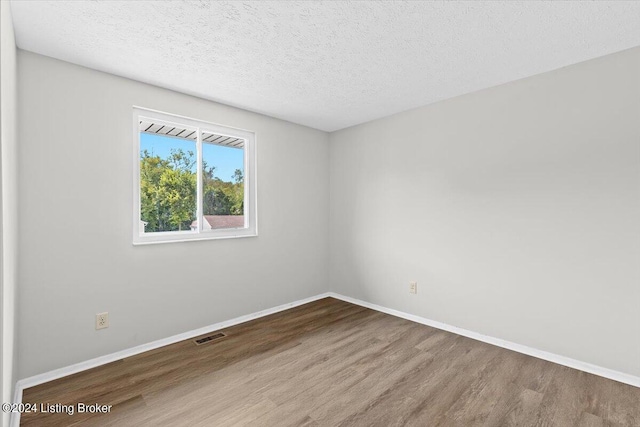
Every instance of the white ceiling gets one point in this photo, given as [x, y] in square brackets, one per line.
[327, 65]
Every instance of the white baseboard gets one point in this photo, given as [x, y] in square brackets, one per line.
[540, 354]
[103, 360]
[14, 418]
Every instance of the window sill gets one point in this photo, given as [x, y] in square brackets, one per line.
[190, 237]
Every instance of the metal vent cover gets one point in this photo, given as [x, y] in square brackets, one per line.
[209, 338]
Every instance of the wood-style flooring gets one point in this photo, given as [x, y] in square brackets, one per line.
[331, 363]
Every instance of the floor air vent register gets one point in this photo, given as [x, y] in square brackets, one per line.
[210, 338]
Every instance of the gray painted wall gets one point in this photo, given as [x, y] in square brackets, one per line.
[515, 208]
[9, 203]
[76, 256]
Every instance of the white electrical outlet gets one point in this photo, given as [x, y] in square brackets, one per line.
[102, 320]
[413, 287]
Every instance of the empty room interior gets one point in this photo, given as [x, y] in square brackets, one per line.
[320, 213]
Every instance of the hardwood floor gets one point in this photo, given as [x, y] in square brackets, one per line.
[331, 363]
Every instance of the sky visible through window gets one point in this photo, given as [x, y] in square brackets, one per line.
[225, 159]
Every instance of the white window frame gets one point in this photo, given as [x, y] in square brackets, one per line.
[250, 197]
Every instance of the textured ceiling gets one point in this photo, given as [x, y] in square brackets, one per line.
[327, 65]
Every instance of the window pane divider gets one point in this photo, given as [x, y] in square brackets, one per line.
[199, 177]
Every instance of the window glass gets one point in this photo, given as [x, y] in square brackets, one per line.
[222, 182]
[168, 186]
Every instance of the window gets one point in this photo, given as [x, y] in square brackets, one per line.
[192, 180]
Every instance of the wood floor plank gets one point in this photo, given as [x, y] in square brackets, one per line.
[331, 363]
[589, 420]
[481, 397]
